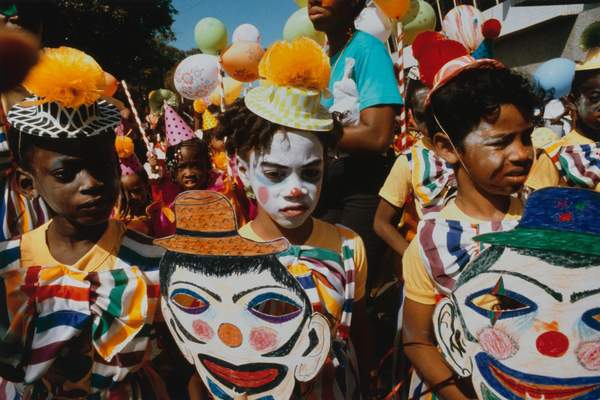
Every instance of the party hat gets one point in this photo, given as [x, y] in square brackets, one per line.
[208, 121]
[130, 165]
[176, 128]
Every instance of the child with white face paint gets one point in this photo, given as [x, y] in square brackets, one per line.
[279, 134]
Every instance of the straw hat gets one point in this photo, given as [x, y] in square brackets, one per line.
[295, 75]
[590, 41]
[206, 225]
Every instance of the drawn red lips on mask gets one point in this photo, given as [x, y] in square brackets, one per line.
[246, 378]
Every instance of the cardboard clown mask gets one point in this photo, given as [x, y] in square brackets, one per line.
[235, 311]
[286, 178]
[524, 318]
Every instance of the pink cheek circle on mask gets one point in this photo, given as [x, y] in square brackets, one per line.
[263, 195]
[263, 338]
[202, 330]
[497, 343]
[588, 354]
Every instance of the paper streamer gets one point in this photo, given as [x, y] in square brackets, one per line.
[401, 84]
[137, 117]
[221, 84]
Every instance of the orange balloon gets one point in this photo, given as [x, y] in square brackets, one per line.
[199, 106]
[394, 8]
[111, 85]
[241, 61]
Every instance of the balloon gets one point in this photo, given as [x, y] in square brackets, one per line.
[200, 106]
[210, 35]
[556, 76]
[298, 25]
[413, 11]
[241, 61]
[394, 8]
[463, 24]
[301, 3]
[233, 89]
[247, 33]
[372, 20]
[424, 21]
[197, 76]
[157, 98]
[111, 85]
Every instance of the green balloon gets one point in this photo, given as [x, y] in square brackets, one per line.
[424, 21]
[299, 25]
[411, 14]
[157, 97]
[210, 35]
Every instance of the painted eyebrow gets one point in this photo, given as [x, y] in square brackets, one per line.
[276, 165]
[508, 133]
[213, 294]
[582, 295]
[556, 295]
[241, 294]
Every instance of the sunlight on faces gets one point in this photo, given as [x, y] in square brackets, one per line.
[245, 333]
[537, 336]
[287, 178]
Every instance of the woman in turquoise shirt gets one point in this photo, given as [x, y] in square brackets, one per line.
[358, 170]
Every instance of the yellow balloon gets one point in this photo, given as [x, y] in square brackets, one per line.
[394, 8]
[233, 89]
[301, 3]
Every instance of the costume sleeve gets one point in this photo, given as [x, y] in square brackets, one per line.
[543, 173]
[374, 76]
[360, 262]
[418, 285]
[397, 185]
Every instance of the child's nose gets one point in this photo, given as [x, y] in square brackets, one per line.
[230, 335]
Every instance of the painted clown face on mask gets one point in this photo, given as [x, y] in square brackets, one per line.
[525, 324]
[245, 323]
[287, 177]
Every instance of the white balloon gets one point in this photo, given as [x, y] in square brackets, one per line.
[372, 20]
[197, 76]
[246, 32]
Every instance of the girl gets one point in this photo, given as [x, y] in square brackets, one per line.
[480, 116]
[281, 156]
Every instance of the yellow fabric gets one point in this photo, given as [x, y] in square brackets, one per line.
[418, 285]
[101, 257]
[544, 173]
[330, 236]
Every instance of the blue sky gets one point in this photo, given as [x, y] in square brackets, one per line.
[269, 16]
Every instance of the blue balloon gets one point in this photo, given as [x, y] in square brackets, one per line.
[556, 77]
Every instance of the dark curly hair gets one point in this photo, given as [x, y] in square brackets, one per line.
[477, 94]
[203, 151]
[244, 131]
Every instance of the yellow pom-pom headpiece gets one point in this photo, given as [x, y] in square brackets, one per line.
[66, 76]
[301, 63]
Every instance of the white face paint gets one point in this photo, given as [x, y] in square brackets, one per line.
[532, 330]
[287, 178]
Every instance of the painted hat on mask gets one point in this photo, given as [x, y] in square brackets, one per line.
[295, 74]
[67, 103]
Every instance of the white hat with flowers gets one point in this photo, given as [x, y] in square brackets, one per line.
[295, 74]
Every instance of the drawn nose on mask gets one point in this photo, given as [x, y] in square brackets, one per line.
[552, 344]
[230, 335]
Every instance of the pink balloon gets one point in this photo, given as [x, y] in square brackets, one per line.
[463, 24]
[197, 76]
[246, 33]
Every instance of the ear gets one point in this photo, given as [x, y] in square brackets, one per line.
[451, 338]
[177, 336]
[243, 171]
[443, 147]
[570, 103]
[319, 343]
[25, 183]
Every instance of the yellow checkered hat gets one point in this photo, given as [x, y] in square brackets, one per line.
[291, 107]
[591, 60]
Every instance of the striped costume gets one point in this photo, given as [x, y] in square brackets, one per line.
[328, 277]
[578, 164]
[67, 333]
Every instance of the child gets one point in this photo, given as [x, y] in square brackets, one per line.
[417, 173]
[189, 167]
[281, 158]
[574, 160]
[480, 116]
[81, 290]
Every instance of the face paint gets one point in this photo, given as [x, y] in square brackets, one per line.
[287, 178]
[246, 333]
[533, 332]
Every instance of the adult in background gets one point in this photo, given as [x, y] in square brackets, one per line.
[357, 169]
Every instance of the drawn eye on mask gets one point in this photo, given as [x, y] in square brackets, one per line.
[497, 303]
[189, 301]
[592, 318]
[274, 308]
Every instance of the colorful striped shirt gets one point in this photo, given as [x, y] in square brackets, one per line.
[77, 332]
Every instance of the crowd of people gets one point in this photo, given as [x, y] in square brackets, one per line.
[102, 213]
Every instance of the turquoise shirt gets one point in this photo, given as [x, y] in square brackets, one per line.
[373, 72]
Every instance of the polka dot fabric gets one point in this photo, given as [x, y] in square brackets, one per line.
[177, 130]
